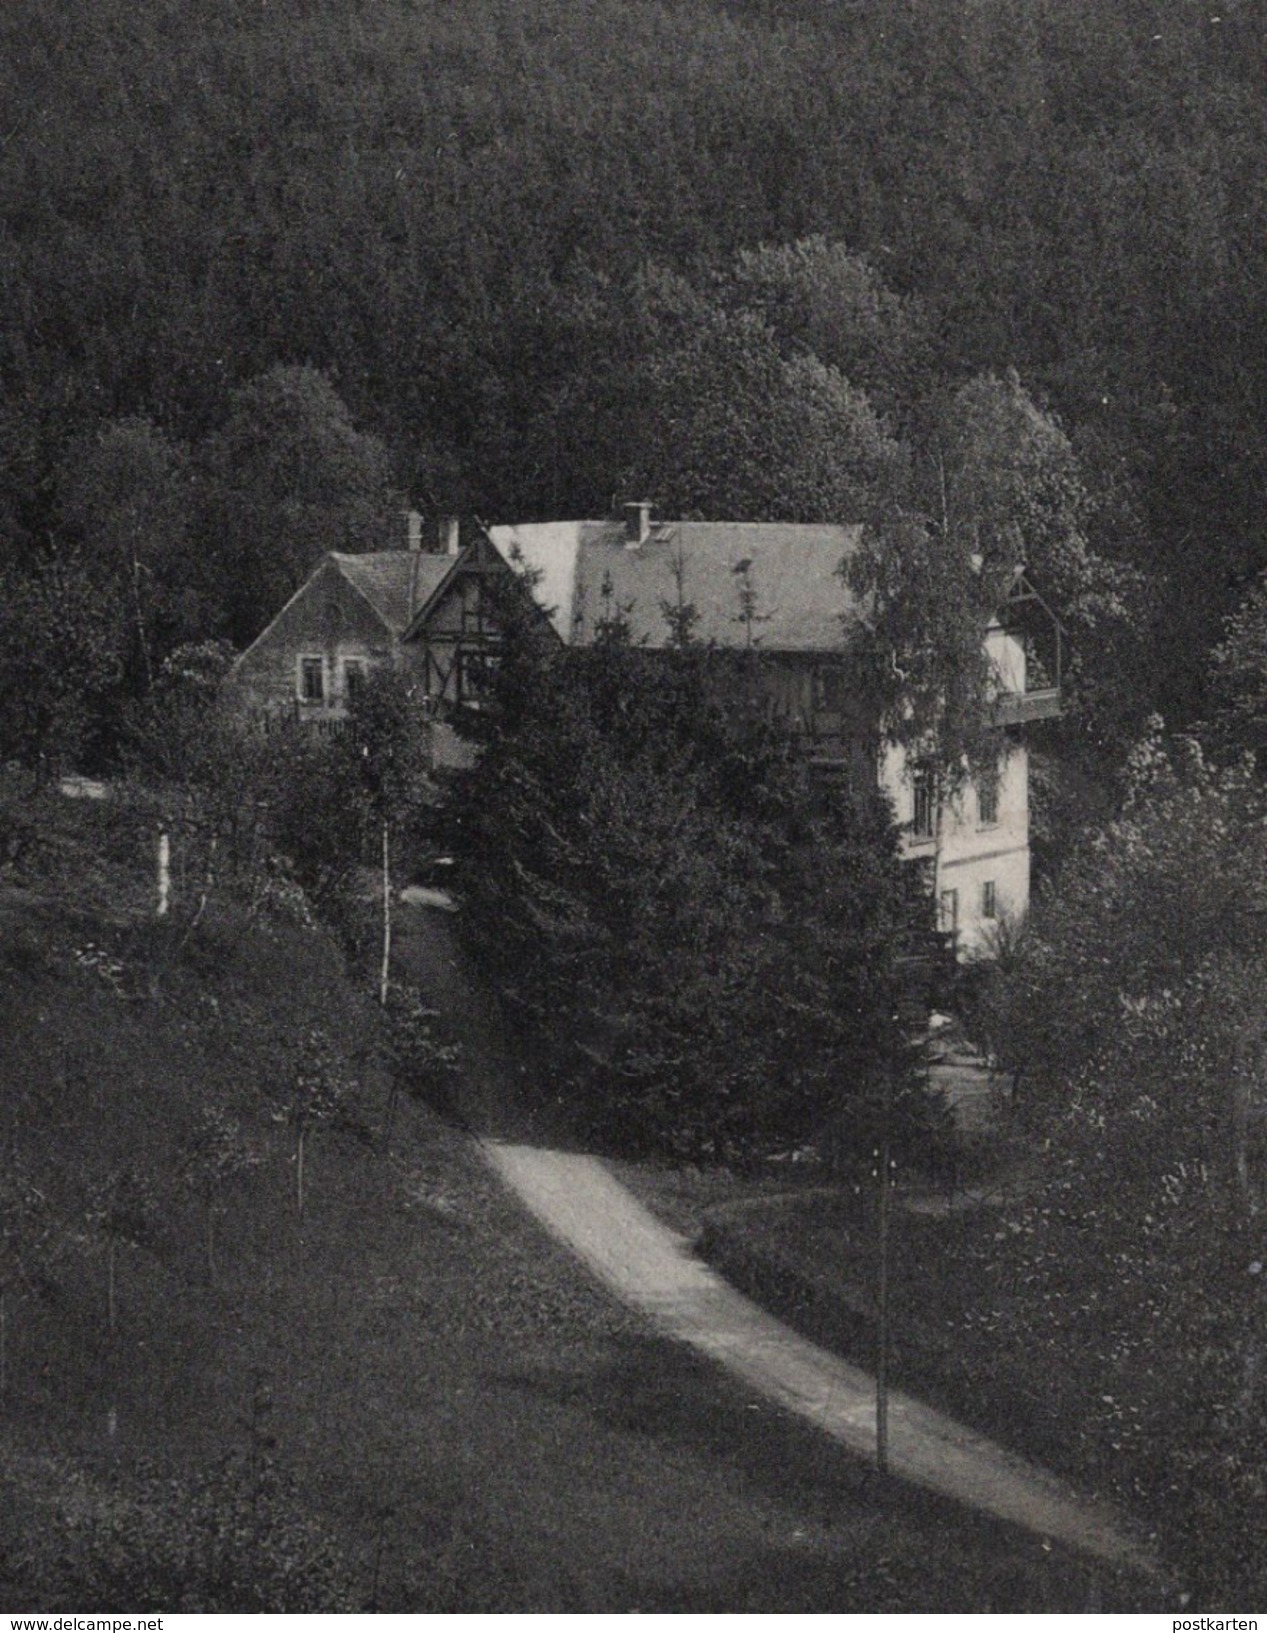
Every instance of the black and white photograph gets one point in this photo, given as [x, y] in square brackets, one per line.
[633, 809]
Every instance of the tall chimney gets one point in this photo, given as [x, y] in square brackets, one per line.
[413, 529]
[637, 521]
[449, 535]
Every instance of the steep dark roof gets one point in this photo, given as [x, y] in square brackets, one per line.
[587, 570]
[394, 582]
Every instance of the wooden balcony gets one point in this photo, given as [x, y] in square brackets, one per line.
[1020, 708]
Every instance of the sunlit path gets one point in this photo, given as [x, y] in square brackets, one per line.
[652, 1269]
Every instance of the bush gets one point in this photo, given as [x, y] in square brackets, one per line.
[233, 1538]
[1133, 1013]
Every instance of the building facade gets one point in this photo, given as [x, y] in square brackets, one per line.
[773, 589]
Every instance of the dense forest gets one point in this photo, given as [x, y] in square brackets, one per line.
[985, 275]
[270, 267]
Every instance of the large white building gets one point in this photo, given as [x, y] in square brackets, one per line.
[777, 587]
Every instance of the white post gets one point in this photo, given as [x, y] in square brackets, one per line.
[164, 872]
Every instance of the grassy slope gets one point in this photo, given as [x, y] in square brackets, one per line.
[475, 1425]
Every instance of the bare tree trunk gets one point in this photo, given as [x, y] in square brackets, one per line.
[385, 977]
[1243, 1079]
[143, 640]
[4, 1342]
[299, 1172]
[1246, 1069]
[945, 501]
[882, 1312]
[164, 872]
[110, 1252]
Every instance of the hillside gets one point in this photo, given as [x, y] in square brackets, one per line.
[457, 213]
[423, 1405]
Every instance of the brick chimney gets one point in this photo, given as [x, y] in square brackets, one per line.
[637, 521]
[449, 535]
[413, 529]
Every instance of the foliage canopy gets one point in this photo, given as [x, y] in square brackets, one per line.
[697, 948]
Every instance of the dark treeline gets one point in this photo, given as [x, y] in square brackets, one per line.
[481, 220]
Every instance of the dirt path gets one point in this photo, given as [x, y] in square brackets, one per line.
[651, 1268]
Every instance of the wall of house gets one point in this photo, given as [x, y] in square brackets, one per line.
[433, 657]
[965, 853]
[974, 853]
[326, 619]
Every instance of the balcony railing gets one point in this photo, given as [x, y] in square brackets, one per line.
[1019, 708]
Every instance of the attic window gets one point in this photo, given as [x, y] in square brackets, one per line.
[472, 608]
[353, 677]
[312, 680]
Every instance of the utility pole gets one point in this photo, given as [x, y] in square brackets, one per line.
[384, 983]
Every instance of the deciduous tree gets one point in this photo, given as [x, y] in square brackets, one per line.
[216, 1155]
[59, 658]
[289, 477]
[1132, 1012]
[124, 498]
[719, 422]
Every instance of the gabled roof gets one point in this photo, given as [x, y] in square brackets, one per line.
[587, 571]
[394, 582]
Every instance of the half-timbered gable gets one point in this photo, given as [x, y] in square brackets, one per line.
[452, 643]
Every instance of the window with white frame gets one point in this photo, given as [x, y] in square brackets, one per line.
[312, 680]
[948, 912]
